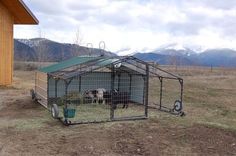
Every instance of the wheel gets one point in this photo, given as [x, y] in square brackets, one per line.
[32, 93]
[55, 111]
[178, 106]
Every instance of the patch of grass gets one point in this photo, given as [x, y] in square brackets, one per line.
[218, 125]
[24, 124]
[101, 112]
[209, 98]
[30, 124]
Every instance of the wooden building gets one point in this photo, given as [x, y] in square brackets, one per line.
[11, 12]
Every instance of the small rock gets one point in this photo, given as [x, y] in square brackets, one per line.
[138, 150]
[149, 137]
[233, 144]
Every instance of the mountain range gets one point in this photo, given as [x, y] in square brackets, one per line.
[170, 55]
[40, 49]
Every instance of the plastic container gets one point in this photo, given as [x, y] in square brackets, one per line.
[69, 112]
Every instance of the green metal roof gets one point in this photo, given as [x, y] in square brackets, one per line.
[100, 62]
[67, 63]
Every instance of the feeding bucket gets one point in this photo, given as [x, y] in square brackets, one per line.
[69, 111]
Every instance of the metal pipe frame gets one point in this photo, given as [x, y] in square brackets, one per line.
[161, 81]
[134, 118]
[147, 89]
[120, 60]
[112, 97]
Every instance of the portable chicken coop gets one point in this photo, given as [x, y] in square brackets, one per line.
[89, 89]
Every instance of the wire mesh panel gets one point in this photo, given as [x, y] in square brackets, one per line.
[108, 93]
[107, 89]
[93, 85]
[98, 89]
[128, 97]
[164, 92]
[41, 88]
[171, 92]
[154, 92]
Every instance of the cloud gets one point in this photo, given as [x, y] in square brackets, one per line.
[137, 24]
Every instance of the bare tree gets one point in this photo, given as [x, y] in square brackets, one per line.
[41, 48]
[78, 41]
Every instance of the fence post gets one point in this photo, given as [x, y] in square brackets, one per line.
[112, 88]
[56, 82]
[161, 80]
[147, 89]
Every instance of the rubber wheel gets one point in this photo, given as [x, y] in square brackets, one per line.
[55, 111]
[32, 93]
[178, 106]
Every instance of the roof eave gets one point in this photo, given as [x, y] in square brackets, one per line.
[35, 20]
[20, 12]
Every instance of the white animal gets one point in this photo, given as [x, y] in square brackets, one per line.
[99, 94]
[91, 94]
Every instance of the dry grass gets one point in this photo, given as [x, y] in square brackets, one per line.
[208, 128]
[209, 97]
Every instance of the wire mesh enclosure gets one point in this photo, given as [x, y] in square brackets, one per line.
[94, 89]
[165, 91]
[99, 89]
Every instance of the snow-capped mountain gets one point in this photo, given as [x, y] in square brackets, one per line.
[32, 49]
[185, 56]
[174, 49]
[32, 42]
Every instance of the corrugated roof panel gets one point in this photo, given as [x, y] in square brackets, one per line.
[67, 63]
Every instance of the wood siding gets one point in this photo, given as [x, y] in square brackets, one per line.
[6, 46]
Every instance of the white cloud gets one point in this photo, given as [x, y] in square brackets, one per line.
[135, 24]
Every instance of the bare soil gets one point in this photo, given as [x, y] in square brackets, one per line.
[26, 128]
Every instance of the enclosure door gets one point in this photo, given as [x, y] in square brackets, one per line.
[129, 100]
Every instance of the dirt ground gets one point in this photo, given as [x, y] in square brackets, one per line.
[26, 128]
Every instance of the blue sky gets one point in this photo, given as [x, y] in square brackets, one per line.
[135, 25]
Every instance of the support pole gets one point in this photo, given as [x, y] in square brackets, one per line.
[56, 82]
[65, 102]
[79, 84]
[144, 89]
[67, 83]
[48, 91]
[36, 81]
[182, 88]
[161, 80]
[66, 93]
[147, 89]
[112, 95]
[130, 81]
[119, 82]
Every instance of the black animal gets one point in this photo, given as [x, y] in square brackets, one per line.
[117, 98]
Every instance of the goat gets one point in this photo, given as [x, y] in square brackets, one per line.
[100, 94]
[91, 95]
[95, 95]
[117, 98]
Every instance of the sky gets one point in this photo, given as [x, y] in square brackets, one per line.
[134, 25]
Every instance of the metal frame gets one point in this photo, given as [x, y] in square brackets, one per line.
[68, 79]
[164, 108]
[145, 69]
